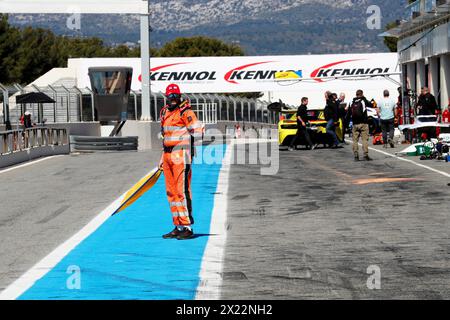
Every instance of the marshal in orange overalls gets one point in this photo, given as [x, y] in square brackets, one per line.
[180, 129]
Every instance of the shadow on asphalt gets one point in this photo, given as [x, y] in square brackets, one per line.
[200, 235]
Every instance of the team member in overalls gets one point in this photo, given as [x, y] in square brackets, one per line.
[180, 129]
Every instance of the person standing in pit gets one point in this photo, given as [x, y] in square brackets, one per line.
[358, 113]
[180, 129]
[387, 112]
[302, 127]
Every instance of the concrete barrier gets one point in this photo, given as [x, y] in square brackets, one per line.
[78, 128]
[95, 144]
[17, 157]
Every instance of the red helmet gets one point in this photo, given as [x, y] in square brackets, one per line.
[173, 89]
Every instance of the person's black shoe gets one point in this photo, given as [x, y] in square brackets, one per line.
[186, 234]
[356, 158]
[173, 234]
[367, 158]
[391, 143]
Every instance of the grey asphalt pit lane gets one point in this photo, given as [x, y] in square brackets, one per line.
[240, 197]
[54, 214]
[428, 295]
[303, 208]
[65, 171]
[293, 195]
[378, 174]
[241, 215]
[344, 229]
[125, 169]
[296, 274]
[370, 209]
[316, 188]
[234, 276]
[435, 194]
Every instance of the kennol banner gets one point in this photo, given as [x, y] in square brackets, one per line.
[252, 74]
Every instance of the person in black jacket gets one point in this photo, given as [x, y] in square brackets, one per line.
[302, 124]
[427, 105]
[358, 114]
[332, 117]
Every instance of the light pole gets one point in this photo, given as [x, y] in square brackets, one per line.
[145, 63]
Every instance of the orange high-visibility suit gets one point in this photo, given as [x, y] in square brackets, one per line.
[180, 129]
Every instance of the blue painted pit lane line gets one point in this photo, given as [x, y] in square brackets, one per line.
[126, 257]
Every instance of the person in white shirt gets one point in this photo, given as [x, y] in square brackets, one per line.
[387, 112]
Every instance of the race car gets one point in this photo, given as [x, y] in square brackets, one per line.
[425, 127]
[287, 128]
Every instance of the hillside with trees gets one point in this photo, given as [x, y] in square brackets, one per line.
[27, 53]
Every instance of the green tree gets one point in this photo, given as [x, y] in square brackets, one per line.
[9, 41]
[391, 42]
[199, 47]
[26, 54]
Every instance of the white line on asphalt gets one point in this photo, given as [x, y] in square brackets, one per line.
[29, 163]
[212, 263]
[408, 160]
[29, 278]
[411, 161]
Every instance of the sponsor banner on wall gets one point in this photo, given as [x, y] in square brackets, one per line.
[253, 74]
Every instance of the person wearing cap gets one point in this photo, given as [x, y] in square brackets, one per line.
[180, 129]
[387, 112]
[26, 120]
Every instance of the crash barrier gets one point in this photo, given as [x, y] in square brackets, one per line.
[93, 144]
[22, 145]
[73, 104]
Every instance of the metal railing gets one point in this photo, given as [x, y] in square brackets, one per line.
[23, 139]
[206, 112]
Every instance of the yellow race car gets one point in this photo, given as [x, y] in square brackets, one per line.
[287, 128]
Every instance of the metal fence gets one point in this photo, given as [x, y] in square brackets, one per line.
[214, 107]
[17, 140]
[77, 105]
